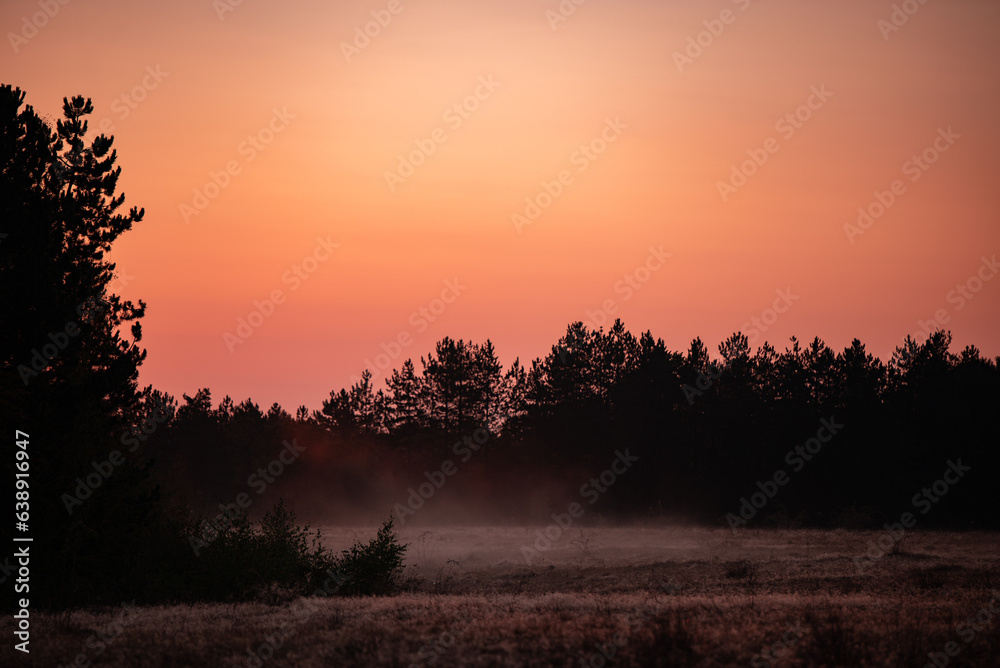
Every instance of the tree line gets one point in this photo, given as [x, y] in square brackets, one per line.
[708, 428]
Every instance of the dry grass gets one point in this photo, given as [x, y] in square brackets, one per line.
[649, 596]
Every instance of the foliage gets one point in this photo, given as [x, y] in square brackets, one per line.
[375, 568]
[240, 559]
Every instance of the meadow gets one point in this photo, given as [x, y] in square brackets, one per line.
[641, 595]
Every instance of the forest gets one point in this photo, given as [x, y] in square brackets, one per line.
[706, 428]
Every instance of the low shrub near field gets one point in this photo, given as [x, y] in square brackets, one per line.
[374, 568]
[244, 560]
[241, 559]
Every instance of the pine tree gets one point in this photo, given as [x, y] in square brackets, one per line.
[69, 373]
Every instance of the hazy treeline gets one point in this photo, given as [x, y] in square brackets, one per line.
[706, 430]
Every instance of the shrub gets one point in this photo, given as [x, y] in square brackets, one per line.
[272, 560]
[243, 559]
[898, 547]
[738, 570]
[283, 551]
[374, 568]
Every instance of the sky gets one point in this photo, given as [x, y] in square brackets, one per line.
[320, 199]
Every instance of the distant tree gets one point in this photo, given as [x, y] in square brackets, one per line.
[224, 413]
[736, 373]
[792, 392]
[461, 384]
[250, 439]
[615, 356]
[861, 379]
[404, 411]
[278, 415]
[198, 407]
[570, 373]
[568, 396]
[764, 364]
[646, 402]
[354, 412]
[487, 398]
[697, 356]
[918, 366]
[735, 352]
[513, 398]
[818, 361]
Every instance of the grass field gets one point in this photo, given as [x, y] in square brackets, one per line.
[655, 596]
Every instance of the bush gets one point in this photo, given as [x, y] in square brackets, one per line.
[738, 570]
[190, 559]
[241, 559]
[284, 552]
[374, 568]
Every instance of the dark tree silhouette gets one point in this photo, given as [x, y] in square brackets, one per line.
[354, 412]
[70, 374]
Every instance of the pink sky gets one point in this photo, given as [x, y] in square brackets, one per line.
[310, 135]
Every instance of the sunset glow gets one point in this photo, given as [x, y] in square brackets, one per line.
[317, 197]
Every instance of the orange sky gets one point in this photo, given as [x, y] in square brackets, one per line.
[183, 91]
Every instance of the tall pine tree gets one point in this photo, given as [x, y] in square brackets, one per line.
[69, 371]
